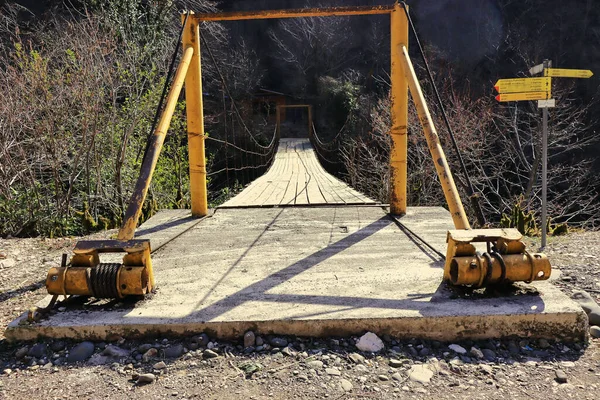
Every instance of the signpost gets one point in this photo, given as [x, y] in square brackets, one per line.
[519, 89]
[520, 85]
[568, 73]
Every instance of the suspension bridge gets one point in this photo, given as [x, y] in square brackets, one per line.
[298, 251]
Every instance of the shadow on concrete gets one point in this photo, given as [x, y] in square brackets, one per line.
[165, 225]
[258, 290]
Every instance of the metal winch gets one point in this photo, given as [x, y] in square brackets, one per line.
[505, 261]
[85, 275]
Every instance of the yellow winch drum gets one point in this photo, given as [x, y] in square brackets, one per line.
[86, 276]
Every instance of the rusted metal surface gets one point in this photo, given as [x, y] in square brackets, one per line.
[295, 13]
[195, 121]
[86, 276]
[398, 113]
[459, 217]
[506, 261]
[134, 209]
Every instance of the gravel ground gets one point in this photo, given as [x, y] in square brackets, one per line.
[288, 367]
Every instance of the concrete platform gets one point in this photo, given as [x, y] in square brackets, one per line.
[316, 271]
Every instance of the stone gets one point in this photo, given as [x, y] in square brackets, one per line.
[98, 359]
[561, 376]
[145, 379]
[151, 353]
[567, 364]
[208, 353]
[383, 378]
[397, 377]
[201, 340]
[288, 352]
[314, 364]
[175, 351]
[370, 342]
[114, 351]
[22, 352]
[457, 349]
[356, 358]
[81, 352]
[346, 385]
[489, 355]
[7, 371]
[396, 363]
[142, 348]
[160, 365]
[420, 373]
[424, 352]
[333, 371]
[476, 353]
[259, 341]
[278, 342]
[37, 350]
[59, 345]
[249, 339]
[361, 368]
[595, 331]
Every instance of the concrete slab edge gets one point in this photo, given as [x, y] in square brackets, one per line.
[570, 326]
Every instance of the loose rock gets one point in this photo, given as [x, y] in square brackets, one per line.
[595, 331]
[356, 358]
[561, 376]
[151, 353]
[421, 374]
[396, 363]
[38, 350]
[476, 353]
[315, 364]
[249, 339]
[175, 351]
[114, 351]
[457, 349]
[346, 385]
[370, 342]
[81, 352]
[278, 342]
[208, 353]
[160, 365]
[333, 371]
[22, 352]
[145, 379]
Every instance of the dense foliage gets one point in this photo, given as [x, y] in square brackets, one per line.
[80, 82]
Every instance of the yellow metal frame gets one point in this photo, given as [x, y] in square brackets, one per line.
[278, 114]
[399, 93]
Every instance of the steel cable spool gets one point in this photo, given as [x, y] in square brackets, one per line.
[104, 280]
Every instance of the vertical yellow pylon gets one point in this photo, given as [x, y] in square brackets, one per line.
[195, 120]
[399, 113]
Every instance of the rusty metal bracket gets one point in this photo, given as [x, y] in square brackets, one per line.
[506, 259]
[85, 275]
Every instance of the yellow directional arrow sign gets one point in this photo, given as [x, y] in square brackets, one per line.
[519, 85]
[568, 73]
[524, 96]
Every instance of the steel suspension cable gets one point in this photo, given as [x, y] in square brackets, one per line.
[473, 195]
[222, 78]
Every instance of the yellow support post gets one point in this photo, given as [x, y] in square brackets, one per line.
[433, 142]
[399, 113]
[195, 121]
[134, 209]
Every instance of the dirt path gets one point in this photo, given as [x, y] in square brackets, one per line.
[288, 368]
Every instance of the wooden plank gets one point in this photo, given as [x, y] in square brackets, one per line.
[296, 177]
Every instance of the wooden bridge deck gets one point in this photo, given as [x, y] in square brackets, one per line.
[296, 178]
